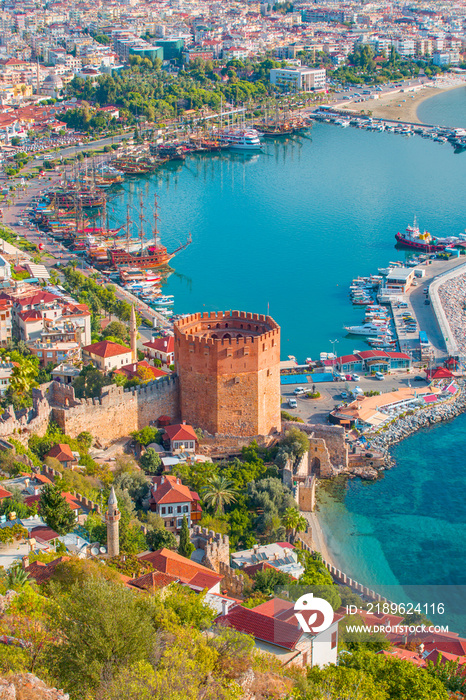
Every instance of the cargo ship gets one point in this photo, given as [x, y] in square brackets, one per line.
[413, 238]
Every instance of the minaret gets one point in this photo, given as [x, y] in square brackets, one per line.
[112, 517]
[133, 332]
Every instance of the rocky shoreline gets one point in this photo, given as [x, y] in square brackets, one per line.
[421, 418]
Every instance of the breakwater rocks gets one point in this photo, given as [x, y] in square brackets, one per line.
[420, 418]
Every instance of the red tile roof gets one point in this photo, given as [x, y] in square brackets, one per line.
[4, 493]
[347, 358]
[169, 489]
[153, 580]
[43, 572]
[262, 627]
[106, 349]
[44, 533]
[185, 570]
[32, 315]
[165, 345]
[398, 356]
[37, 298]
[62, 452]
[439, 373]
[180, 431]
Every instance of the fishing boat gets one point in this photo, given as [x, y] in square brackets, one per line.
[413, 238]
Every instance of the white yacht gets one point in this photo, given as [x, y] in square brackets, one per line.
[367, 329]
[241, 139]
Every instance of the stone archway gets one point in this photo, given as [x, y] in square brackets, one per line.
[315, 466]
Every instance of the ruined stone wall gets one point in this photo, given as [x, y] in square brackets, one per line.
[229, 369]
[306, 494]
[327, 447]
[216, 547]
[23, 424]
[117, 412]
[232, 582]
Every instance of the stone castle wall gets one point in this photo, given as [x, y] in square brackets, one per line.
[117, 412]
[216, 547]
[229, 370]
[23, 424]
[327, 447]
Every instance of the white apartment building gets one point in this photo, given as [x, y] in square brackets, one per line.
[300, 78]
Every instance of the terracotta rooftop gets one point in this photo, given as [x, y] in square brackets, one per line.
[180, 431]
[169, 489]
[168, 562]
[62, 452]
[106, 349]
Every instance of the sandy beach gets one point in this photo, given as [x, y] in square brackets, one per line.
[318, 537]
[402, 106]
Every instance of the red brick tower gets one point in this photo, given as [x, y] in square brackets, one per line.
[229, 371]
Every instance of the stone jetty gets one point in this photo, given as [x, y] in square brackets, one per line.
[452, 295]
[401, 428]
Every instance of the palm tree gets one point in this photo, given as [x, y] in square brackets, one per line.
[218, 492]
[16, 578]
[294, 522]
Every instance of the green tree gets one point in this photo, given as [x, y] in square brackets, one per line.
[293, 446]
[103, 627]
[267, 580]
[55, 510]
[185, 548]
[218, 493]
[159, 538]
[294, 522]
[400, 679]
[90, 382]
[150, 461]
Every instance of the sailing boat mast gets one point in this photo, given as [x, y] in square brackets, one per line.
[141, 224]
[156, 218]
[128, 224]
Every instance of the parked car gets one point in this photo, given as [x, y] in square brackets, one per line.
[379, 375]
[292, 403]
[344, 395]
[299, 390]
[356, 378]
[427, 302]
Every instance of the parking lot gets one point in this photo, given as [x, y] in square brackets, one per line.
[317, 410]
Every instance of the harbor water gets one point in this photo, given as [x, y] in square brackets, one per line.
[287, 230]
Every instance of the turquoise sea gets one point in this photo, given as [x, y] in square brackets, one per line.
[287, 230]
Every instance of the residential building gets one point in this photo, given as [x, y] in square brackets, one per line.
[279, 555]
[107, 356]
[276, 631]
[5, 269]
[63, 454]
[180, 437]
[172, 500]
[162, 349]
[6, 370]
[5, 321]
[299, 78]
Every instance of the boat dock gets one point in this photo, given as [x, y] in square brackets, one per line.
[435, 132]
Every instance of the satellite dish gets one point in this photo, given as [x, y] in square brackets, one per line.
[94, 551]
[103, 550]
